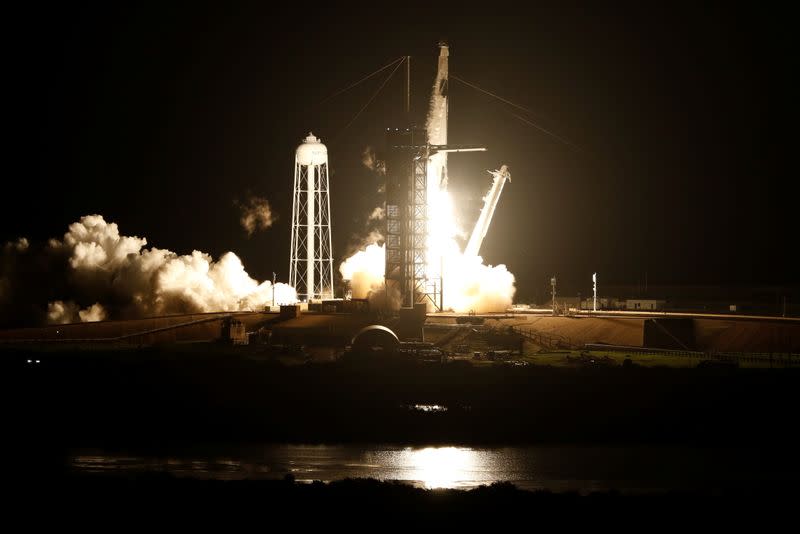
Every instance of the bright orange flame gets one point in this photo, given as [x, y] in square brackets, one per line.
[469, 284]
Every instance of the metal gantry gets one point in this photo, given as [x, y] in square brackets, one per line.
[407, 217]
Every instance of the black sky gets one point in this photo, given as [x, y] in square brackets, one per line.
[160, 117]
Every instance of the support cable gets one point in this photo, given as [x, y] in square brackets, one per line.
[365, 78]
[367, 104]
[521, 108]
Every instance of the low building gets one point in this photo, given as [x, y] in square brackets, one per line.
[234, 332]
[603, 303]
[644, 304]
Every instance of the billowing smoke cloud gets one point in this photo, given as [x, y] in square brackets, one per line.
[474, 286]
[20, 245]
[377, 214]
[256, 215]
[93, 313]
[371, 161]
[364, 270]
[469, 284]
[60, 312]
[95, 273]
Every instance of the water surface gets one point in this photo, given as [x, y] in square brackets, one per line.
[628, 469]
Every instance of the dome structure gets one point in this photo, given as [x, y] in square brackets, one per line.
[375, 337]
[311, 151]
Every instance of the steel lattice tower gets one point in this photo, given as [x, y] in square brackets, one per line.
[407, 216]
[311, 257]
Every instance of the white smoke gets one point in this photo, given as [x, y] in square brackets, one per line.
[378, 214]
[256, 215]
[364, 270]
[136, 281]
[60, 312]
[96, 245]
[93, 313]
[469, 285]
[473, 286]
[20, 245]
[370, 160]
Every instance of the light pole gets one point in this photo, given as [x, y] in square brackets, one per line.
[273, 290]
[553, 284]
[594, 287]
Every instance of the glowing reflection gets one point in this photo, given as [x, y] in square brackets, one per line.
[440, 467]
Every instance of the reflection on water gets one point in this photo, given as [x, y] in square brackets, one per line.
[429, 467]
[437, 467]
[553, 468]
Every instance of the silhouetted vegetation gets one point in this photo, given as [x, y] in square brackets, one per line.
[353, 500]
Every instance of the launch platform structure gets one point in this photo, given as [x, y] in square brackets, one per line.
[407, 216]
[311, 255]
[407, 175]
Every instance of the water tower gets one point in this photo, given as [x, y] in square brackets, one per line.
[311, 257]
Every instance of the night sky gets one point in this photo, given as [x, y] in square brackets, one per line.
[160, 118]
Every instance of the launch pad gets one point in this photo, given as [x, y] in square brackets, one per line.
[416, 165]
[408, 166]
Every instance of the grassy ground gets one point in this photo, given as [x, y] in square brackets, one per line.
[610, 358]
[617, 358]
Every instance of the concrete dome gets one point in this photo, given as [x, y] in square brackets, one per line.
[375, 337]
[311, 152]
